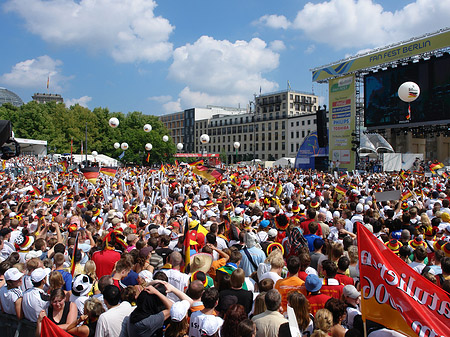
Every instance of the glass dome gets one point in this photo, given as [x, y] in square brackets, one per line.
[7, 96]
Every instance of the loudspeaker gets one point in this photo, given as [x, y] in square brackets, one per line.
[322, 134]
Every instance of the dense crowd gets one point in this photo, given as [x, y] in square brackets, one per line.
[254, 252]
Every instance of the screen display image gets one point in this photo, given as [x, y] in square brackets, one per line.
[383, 107]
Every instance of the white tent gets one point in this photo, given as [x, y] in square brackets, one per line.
[284, 162]
[100, 158]
[32, 146]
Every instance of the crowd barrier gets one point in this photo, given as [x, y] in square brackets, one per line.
[10, 326]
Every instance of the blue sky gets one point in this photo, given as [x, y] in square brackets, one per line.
[164, 56]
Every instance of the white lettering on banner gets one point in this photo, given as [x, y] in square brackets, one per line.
[392, 279]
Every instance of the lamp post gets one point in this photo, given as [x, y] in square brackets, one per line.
[236, 145]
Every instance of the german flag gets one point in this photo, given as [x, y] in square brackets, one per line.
[340, 189]
[162, 169]
[128, 182]
[109, 170]
[91, 174]
[37, 190]
[419, 173]
[196, 163]
[278, 189]
[436, 166]
[148, 157]
[50, 200]
[176, 163]
[61, 187]
[406, 195]
[444, 174]
[252, 187]
[74, 253]
[65, 165]
[404, 175]
[209, 173]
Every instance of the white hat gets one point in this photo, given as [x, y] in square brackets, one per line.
[179, 310]
[210, 326]
[32, 254]
[271, 210]
[119, 215]
[195, 204]
[238, 210]
[336, 214]
[13, 274]
[272, 233]
[146, 276]
[254, 218]
[359, 208]
[210, 214]
[207, 224]
[350, 291]
[39, 274]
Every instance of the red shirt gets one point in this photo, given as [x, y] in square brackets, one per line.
[302, 275]
[105, 261]
[332, 289]
[344, 279]
[317, 302]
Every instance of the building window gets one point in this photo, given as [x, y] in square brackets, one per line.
[239, 129]
[263, 146]
[269, 126]
[229, 147]
[297, 134]
[303, 122]
[269, 146]
[292, 134]
[263, 136]
[276, 135]
[292, 147]
[283, 125]
[298, 123]
[245, 147]
[276, 125]
[276, 146]
[251, 136]
[292, 124]
[283, 135]
[229, 139]
[303, 134]
[256, 147]
[263, 127]
[309, 122]
[283, 147]
[269, 136]
[256, 137]
[245, 138]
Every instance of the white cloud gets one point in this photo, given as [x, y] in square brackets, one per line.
[127, 30]
[170, 107]
[83, 101]
[364, 23]
[222, 72]
[160, 99]
[310, 49]
[277, 45]
[274, 21]
[34, 73]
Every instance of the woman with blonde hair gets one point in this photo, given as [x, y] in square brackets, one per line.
[56, 281]
[323, 323]
[90, 269]
[305, 320]
[265, 267]
[276, 266]
[93, 308]
[259, 306]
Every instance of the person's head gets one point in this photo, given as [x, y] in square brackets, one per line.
[336, 251]
[445, 265]
[175, 259]
[277, 262]
[272, 300]
[329, 268]
[111, 296]
[235, 257]
[305, 261]
[337, 309]
[90, 269]
[58, 260]
[311, 213]
[210, 298]
[300, 304]
[129, 294]
[343, 263]
[313, 227]
[33, 264]
[266, 284]
[13, 276]
[123, 267]
[420, 253]
[353, 254]
[351, 295]
[247, 328]
[237, 278]
[57, 298]
[104, 281]
[93, 308]
[260, 303]
[195, 289]
[323, 320]
[293, 264]
[235, 314]
[55, 280]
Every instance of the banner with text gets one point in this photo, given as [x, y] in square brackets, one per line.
[395, 295]
[342, 122]
[377, 57]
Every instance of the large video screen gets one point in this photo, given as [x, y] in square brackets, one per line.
[383, 107]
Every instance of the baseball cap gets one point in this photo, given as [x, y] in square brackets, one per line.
[39, 274]
[264, 223]
[271, 210]
[13, 274]
[359, 208]
[146, 275]
[179, 310]
[350, 291]
[272, 233]
[210, 326]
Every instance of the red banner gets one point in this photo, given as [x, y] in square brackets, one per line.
[50, 329]
[395, 295]
[192, 155]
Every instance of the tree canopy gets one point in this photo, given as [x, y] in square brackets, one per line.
[58, 125]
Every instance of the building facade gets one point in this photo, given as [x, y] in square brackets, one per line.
[45, 98]
[274, 128]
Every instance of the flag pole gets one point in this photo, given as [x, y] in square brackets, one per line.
[86, 149]
[363, 315]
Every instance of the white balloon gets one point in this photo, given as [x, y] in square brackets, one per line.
[237, 145]
[124, 146]
[180, 146]
[148, 147]
[165, 138]
[113, 122]
[116, 145]
[204, 139]
[94, 153]
[147, 128]
[408, 92]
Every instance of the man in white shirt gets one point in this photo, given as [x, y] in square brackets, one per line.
[175, 277]
[110, 322]
[35, 299]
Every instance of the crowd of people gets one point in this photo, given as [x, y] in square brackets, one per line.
[253, 252]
